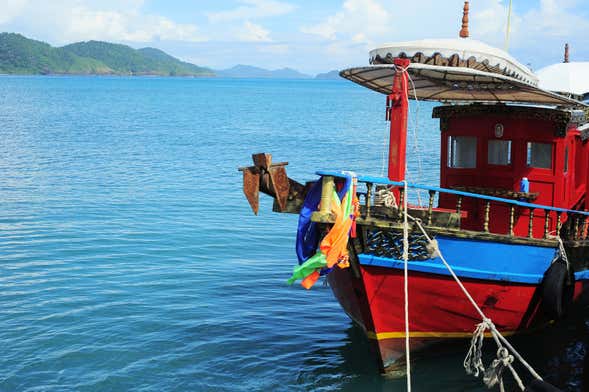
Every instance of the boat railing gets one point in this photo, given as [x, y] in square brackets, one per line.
[571, 225]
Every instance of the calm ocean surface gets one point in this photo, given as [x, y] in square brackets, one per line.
[129, 259]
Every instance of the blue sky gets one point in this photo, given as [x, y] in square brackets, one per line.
[311, 36]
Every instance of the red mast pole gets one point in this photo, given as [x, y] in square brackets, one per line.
[397, 106]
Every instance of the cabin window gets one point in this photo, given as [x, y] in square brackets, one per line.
[499, 152]
[566, 159]
[539, 155]
[462, 152]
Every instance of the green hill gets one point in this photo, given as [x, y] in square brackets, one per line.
[165, 60]
[20, 55]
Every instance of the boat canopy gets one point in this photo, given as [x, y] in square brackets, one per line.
[566, 78]
[466, 53]
[456, 70]
[455, 84]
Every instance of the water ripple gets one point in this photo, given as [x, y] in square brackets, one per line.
[129, 259]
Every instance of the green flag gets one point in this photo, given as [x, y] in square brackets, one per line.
[317, 261]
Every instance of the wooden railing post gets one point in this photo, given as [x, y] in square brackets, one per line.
[327, 190]
[511, 218]
[401, 201]
[486, 219]
[531, 224]
[546, 222]
[577, 223]
[368, 198]
[430, 207]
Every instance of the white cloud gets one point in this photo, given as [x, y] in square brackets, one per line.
[252, 9]
[490, 20]
[538, 31]
[359, 19]
[555, 19]
[85, 23]
[540, 36]
[549, 23]
[75, 20]
[340, 38]
[10, 9]
[251, 32]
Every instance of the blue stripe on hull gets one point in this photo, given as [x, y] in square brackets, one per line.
[480, 260]
[582, 275]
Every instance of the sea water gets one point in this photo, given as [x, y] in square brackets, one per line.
[130, 260]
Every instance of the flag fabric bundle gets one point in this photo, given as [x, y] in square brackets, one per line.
[333, 249]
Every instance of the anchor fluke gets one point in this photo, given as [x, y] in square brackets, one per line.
[269, 178]
[251, 188]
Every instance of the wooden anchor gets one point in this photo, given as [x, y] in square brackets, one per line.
[267, 177]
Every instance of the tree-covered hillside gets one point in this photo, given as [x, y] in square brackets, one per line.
[20, 55]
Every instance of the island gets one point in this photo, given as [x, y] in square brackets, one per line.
[331, 75]
[21, 55]
[248, 71]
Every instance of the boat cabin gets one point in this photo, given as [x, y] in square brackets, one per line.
[521, 147]
[527, 153]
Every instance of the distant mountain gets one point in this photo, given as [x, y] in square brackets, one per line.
[21, 55]
[248, 71]
[333, 75]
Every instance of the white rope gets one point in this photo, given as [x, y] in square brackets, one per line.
[406, 286]
[473, 363]
[385, 197]
[563, 253]
[516, 377]
[499, 338]
[560, 252]
[384, 153]
[416, 150]
[494, 374]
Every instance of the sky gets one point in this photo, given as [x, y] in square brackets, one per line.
[310, 36]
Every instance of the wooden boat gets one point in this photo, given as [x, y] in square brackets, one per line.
[509, 215]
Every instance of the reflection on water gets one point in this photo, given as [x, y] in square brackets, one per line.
[439, 369]
[558, 353]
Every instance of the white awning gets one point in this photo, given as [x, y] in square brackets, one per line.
[455, 84]
[566, 78]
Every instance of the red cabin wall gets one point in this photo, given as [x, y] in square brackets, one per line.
[555, 187]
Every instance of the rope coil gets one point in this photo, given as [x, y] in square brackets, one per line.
[385, 197]
[494, 373]
[473, 362]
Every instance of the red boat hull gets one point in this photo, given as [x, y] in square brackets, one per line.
[438, 309]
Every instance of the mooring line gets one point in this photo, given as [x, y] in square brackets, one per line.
[486, 322]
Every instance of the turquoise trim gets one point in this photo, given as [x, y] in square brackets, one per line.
[494, 261]
[435, 268]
